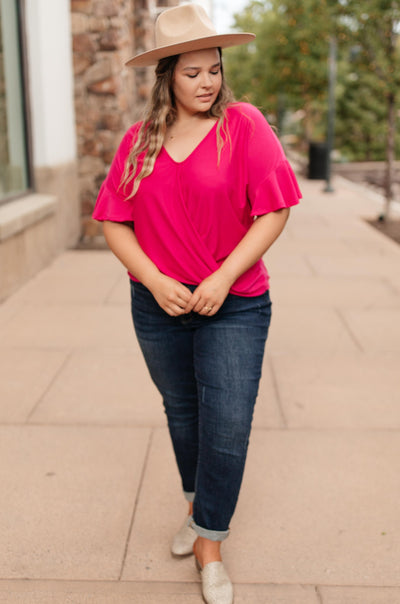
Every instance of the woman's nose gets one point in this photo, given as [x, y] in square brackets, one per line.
[206, 80]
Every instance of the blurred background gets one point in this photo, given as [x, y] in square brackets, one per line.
[286, 74]
[325, 73]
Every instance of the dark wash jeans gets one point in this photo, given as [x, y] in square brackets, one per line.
[207, 370]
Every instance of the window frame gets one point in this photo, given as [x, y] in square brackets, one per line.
[26, 117]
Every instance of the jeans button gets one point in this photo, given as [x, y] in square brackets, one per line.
[186, 319]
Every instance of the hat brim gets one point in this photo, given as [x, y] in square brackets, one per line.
[151, 57]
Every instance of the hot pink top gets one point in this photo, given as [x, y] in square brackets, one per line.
[188, 216]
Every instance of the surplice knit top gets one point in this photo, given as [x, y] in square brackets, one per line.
[188, 216]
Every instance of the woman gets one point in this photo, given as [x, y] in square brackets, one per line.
[195, 196]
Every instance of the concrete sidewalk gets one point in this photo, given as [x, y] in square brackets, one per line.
[90, 495]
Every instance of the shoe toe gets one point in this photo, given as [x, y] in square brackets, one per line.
[216, 585]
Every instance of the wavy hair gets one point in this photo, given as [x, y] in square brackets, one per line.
[160, 115]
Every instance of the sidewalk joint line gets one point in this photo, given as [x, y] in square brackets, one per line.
[255, 428]
[49, 385]
[308, 263]
[139, 489]
[277, 393]
[108, 296]
[348, 330]
[122, 425]
[38, 582]
[392, 288]
[318, 594]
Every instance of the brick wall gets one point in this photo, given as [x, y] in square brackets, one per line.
[108, 97]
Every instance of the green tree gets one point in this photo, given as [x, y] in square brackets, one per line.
[250, 68]
[300, 59]
[286, 68]
[360, 111]
[287, 65]
[375, 26]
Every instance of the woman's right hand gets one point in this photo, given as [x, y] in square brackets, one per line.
[170, 294]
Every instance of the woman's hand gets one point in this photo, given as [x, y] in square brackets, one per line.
[209, 296]
[170, 295]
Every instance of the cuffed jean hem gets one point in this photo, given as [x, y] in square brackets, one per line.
[189, 496]
[208, 534]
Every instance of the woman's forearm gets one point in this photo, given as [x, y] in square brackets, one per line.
[171, 295]
[211, 293]
[261, 235]
[123, 242]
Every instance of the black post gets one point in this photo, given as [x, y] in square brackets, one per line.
[331, 111]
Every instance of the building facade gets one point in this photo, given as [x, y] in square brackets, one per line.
[65, 102]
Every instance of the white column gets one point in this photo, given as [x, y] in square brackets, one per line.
[49, 41]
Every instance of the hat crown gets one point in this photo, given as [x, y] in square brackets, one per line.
[182, 24]
[185, 28]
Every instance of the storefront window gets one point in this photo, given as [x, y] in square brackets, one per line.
[13, 145]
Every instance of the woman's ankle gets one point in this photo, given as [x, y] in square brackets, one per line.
[207, 551]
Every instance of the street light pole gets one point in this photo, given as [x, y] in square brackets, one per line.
[331, 111]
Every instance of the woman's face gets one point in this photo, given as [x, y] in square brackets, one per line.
[197, 81]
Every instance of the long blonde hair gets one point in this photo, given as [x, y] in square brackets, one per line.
[160, 115]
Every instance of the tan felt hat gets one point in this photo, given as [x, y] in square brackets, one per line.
[183, 29]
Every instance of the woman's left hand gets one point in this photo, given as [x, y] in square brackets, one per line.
[209, 296]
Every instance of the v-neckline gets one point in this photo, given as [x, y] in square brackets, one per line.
[194, 149]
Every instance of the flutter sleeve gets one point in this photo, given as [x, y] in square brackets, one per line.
[112, 203]
[271, 183]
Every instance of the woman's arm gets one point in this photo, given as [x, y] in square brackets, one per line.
[171, 295]
[213, 290]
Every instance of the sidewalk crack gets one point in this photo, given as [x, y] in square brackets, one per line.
[135, 505]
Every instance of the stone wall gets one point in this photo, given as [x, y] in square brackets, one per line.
[3, 118]
[108, 97]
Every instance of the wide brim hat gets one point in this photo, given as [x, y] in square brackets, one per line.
[183, 29]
